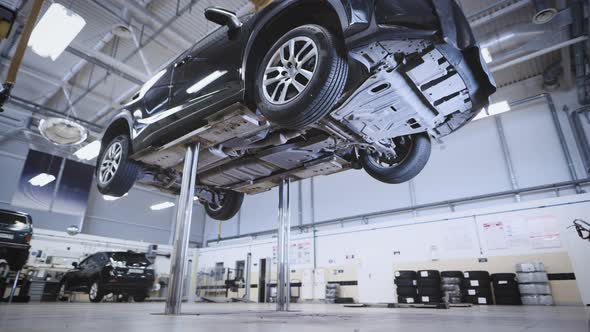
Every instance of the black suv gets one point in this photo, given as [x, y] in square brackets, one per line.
[300, 89]
[120, 273]
[16, 231]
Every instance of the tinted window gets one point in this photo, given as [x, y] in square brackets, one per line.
[130, 259]
[13, 221]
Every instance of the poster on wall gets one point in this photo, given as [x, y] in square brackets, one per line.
[51, 183]
[495, 235]
[544, 231]
[300, 252]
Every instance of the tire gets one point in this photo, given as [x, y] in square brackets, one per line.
[430, 299]
[319, 94]
[139, 298]
[450, 288]
[429, 291]
[485, 292]
[429, 282]
[408, 299]
[125, 175]
[451, 274]
[505, 284]
[475, 283]
[503, 276]
[511, 300]
[405, 274]
[230, 206]
[451, 281]
[407, 291]
[481, 300]
[476, 275]
[405, 169]
[61, 293]
[405, 282]
[430, 274]
[97, 296]
[514, 292]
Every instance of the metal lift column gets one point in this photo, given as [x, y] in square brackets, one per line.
[283, 280]
[182, 231]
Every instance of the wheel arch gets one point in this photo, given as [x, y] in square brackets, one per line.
[120, 125]
[279, 20]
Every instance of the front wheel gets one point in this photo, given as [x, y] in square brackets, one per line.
[95, 294]
[229, 204]
[301, 77]
[115, 173]
[61, 294]
[412, 154]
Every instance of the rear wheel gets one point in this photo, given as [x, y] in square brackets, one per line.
[61, 294]
[229, 204]
[95, 293]
[301, 77]
[115, 173]
[412, 154]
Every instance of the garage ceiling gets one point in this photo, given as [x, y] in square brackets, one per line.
[165, 29]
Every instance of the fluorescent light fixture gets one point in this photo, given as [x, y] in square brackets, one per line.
[499, 108]
[112, 198]
[55, 31]
[89, 151]
[200, 85]
[482, 115]
[161, 206]
[487, 56]
[42, 180]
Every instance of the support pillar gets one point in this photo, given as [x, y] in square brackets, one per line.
[182, 230]
[283, 279]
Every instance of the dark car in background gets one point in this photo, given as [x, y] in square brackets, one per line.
[301, 89]
[16, 232]
[118, 272]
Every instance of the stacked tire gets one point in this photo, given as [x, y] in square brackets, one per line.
[452, 286]
[505, 289]
[332, 291]
[533, 284]
[429, 287]
[406, 287]
[477, 287]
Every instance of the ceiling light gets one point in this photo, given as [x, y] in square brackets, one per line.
[42, 180]
[487, 56]
[89, 151]
[161, 206]
[112, 198]
[55, 31]
[499, 108]
[483, 114]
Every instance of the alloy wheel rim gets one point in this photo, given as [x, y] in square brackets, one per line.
[290, 70]
[93, 291]
[62, 291]
[110, 163]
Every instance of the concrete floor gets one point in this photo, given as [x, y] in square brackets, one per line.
[142, 317]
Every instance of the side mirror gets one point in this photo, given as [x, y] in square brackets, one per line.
[223, 17]
[75, 264]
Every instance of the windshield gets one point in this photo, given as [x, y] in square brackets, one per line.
[13, 221]
[130, 259]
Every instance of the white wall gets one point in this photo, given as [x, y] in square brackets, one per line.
[457, 238]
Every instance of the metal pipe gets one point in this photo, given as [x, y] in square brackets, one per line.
[247, 277]
[444, 203]
[580, 136]
[13, 289]
[283, 278]
[507, 157]
[537, 53]
[558, 128]
[182, 233]
[497, 10]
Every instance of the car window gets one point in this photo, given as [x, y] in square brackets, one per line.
[130, 259]
[84, 263]
[14, 221]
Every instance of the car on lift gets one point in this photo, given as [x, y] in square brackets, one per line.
[300, 89]
[16, 232]
[123, 273]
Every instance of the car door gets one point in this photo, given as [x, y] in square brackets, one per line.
[206, 80]
[88, 271]
[74, 276]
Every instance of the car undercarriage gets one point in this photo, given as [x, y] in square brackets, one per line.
[410, 88]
